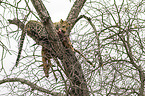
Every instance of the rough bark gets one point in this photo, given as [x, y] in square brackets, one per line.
[71, 65]
[74, 13]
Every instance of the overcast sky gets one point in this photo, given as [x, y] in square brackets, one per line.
[58, 9]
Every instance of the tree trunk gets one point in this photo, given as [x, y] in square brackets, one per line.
[70, 63]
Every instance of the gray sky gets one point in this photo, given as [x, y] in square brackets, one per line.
[58, 9]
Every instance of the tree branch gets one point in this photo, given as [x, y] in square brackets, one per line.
[32, 85]
[66, 55]
[45, 18]
[21, 26]
[52, 35]
[74, 12]
[97, 37]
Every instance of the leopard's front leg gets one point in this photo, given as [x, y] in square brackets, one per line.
[46, 61]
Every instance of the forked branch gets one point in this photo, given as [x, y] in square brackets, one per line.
[70, 62]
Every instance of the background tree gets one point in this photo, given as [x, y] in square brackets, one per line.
[109, 33]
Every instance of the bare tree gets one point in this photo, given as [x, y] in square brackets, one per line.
[109, 34]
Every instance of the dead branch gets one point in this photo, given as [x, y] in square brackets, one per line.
[32, 85]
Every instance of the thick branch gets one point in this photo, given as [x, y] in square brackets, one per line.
[67, 56]
[27, 82]
[74, 12]
[17, 22]
[21, 26]
[52, 35]
[45, 18]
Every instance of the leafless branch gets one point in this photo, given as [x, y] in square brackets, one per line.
[67, 56]
[32, 85]
[74, 12]
[97, 37]
[21, 26]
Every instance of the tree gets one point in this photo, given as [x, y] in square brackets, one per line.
[109, 33]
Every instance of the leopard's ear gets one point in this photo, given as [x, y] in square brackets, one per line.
[61, 21]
